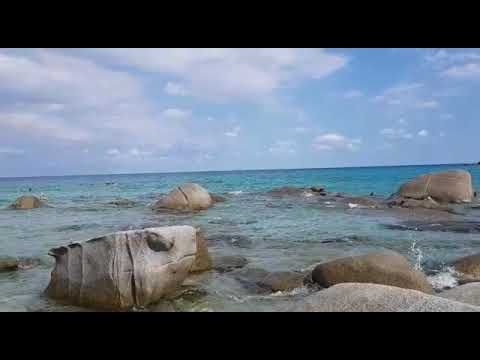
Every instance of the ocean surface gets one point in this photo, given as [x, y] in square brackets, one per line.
[276, 233]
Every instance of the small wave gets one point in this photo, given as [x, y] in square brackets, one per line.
[352, 206]
[238, 192]
[444, 279]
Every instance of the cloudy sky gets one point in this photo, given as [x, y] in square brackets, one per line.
[89, 111]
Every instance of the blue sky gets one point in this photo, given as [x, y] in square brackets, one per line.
[88, 111]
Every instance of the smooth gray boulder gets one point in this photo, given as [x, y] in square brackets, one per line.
[124, 269]
[438, 188]
[26, 202]
[359, 297]
[186, 197]
[386, 267]
[468, 293]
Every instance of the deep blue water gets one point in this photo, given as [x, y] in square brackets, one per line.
[283, 234]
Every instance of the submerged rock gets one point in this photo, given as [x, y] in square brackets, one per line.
[186, 197]
[124, 269]
[468, 294]
[359, 297]
[388, 268]
[466, 227]
[120, 202]
[27, 202]
[282, 281]
[240, 241]
[225, 264]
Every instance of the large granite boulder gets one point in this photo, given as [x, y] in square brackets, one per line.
[124, 269]
[469, 267]
[388, 268]
[468, 294]
[438, 188]
[187, 196]
[26, 202]
[359, 297]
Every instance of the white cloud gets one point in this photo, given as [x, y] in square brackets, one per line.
[466, 71]
[391, 133]
[134, 152]
[393, 95]
[176, 114]
[283, 146]
[423, 133]
[178, 89]
[234, 132]
[430, 104]
[352, 94]
[225, 73]
[112, 152]
[402, 121]
[335, 141]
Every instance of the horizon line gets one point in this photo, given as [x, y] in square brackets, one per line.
[233, 170]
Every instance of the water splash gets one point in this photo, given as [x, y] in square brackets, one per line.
[417, 252]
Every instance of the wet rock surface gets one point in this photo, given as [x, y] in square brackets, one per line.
[27, 202]
[466, 227]
[225, 264]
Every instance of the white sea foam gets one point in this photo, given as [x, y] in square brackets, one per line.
[444, 279]
[238, 192]
[352, 206]
[307, 194]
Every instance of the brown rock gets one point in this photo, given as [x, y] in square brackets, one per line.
[203, 261]
[188, 196]
[388, 268]
[469, 266]
[26, 202]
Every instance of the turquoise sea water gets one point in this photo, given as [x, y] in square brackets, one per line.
[279, 234]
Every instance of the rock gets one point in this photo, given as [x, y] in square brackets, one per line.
[217, 198]
[445, 187]
[120, 202]
[225, 264]
[364, 202]
[469, 266]
[164, 306]
[203, 261]
[361, 297]
[250, 278]
[318, 189]
[8, 263]
[27, 202]
[282, 281]
[187, 196]
[286, 191]
[25, 263]
[388, 268]
[465, 227]
[123, 270]
[240, 241]
[468, 294]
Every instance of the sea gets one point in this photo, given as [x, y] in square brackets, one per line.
[273, 234]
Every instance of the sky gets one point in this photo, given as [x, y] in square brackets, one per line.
[102, 111]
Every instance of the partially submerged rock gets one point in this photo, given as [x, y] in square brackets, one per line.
[27, 202]
[203, 261]
[469, 267]
[225, 264]
[217, 198]
[124, 269]
[360, 297]
[121, 202]
[466, 227]
[186, 197]
[8, 263]
[468, 294]
[261, 281]
[388, 268]
[435, 191]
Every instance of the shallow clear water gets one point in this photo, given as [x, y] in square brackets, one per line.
[282, 233]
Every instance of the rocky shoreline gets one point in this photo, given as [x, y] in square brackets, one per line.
[145, 268]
